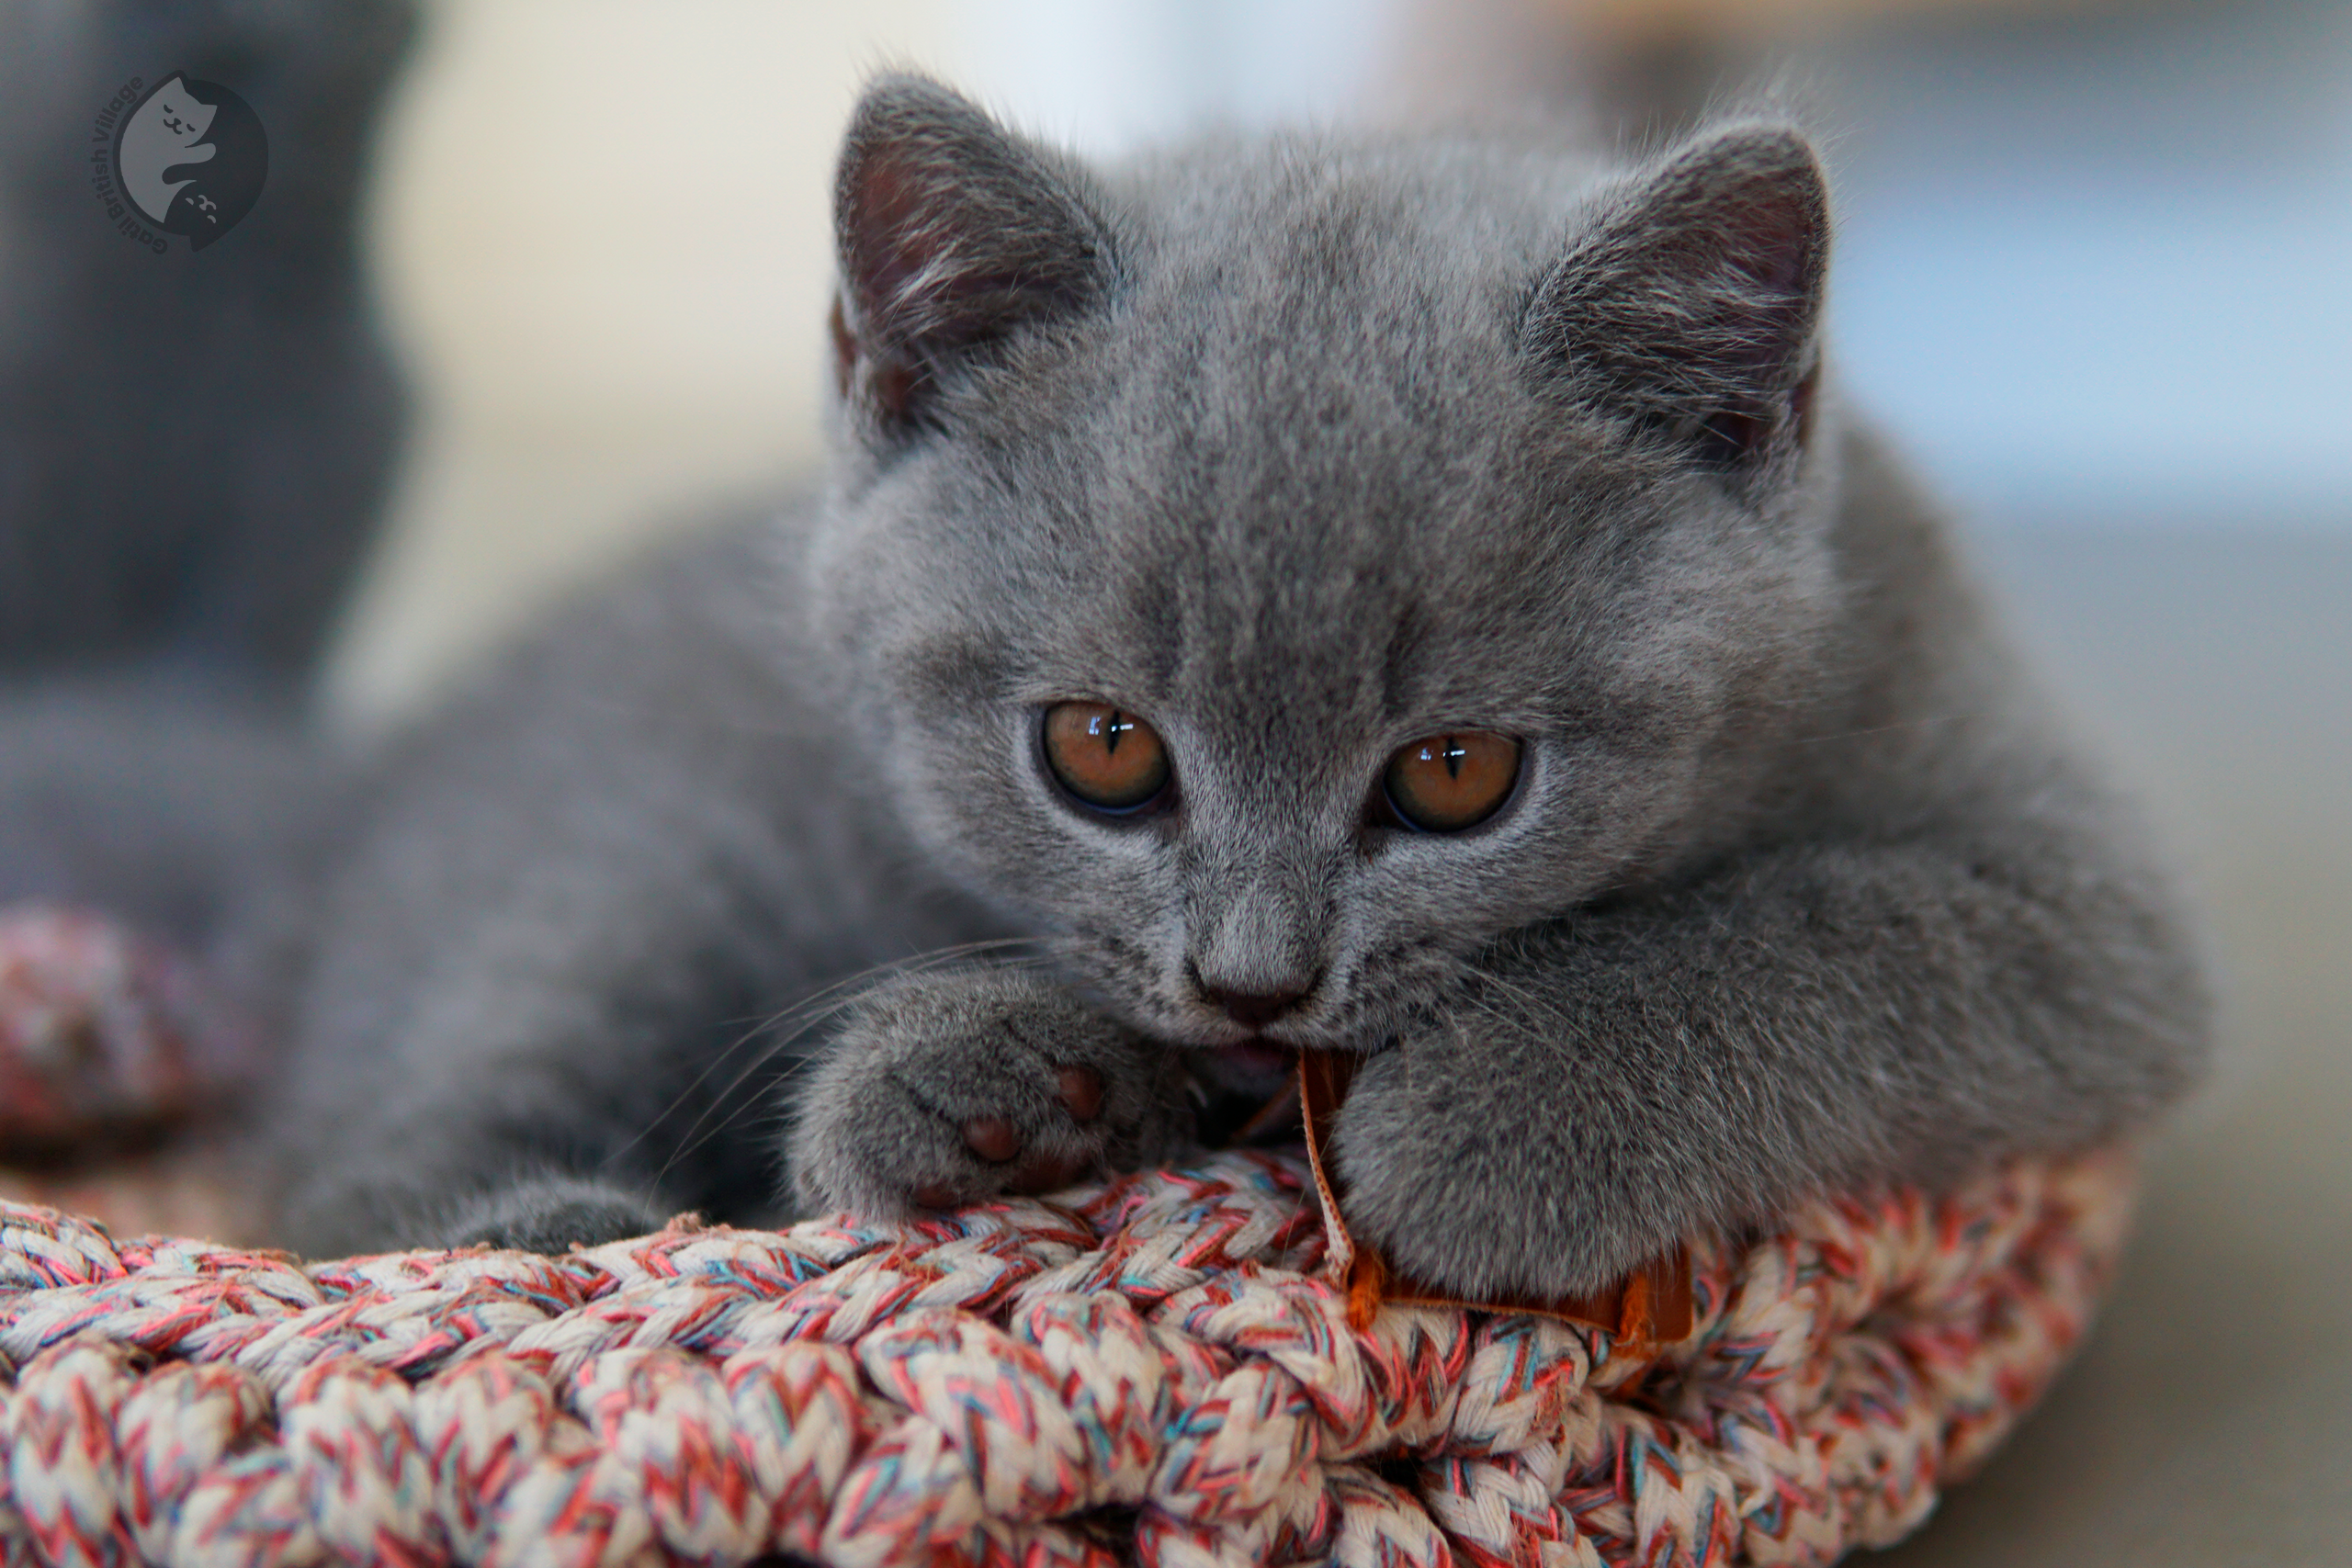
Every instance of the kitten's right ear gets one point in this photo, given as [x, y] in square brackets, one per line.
[952, 232]
[1693, 299]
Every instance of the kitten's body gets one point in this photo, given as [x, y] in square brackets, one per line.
[1300, 451]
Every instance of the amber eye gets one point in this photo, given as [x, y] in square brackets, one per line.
[1109, 759]
[1447, 783]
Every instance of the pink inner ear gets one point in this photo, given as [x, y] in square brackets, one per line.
[1748, 245]
[844, 347]
[1770, 231]
[1801, 405]
[1764, 228]
[1693, 302]
[899, 221]
[1748, 214]
[952, 234]
[894, 236]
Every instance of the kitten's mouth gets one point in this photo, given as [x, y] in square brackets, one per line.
[1257, 1055]
[1255, 1069]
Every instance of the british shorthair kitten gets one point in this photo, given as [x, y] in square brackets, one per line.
[1421, 597]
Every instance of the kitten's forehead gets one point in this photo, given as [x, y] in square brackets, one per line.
[1287, 194]
[1333, 275]
[1309, 434]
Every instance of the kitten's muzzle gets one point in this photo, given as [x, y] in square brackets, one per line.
[1254, 1010]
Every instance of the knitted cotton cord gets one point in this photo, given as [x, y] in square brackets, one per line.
[1147, 1370]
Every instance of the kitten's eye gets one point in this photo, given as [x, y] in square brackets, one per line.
[1108, 759]
[1447, 783]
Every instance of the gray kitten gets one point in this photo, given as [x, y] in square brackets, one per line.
[1418, 597]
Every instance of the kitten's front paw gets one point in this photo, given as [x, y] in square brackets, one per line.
[550, 1214]
[947, 1088]
[1484, 1187]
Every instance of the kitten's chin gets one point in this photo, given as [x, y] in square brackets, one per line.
[1254, 1069]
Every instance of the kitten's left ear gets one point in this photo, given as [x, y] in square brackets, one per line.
[954, 233]
[1692, 300]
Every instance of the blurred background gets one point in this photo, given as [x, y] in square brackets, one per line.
[2092, 271]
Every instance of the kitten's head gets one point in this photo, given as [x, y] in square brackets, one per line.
[1284, 567]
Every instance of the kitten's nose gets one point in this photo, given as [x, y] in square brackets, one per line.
[1254, 1010]
[1253, 955]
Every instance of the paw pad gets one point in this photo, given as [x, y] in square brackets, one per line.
[1081, 1091]
[992, 1138]
[996, 1141]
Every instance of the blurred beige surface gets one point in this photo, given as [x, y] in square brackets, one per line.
[600, 233]
[602, 241]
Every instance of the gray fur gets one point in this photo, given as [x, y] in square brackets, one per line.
[1302, 448]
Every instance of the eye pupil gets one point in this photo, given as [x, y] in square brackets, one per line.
[1084, 751]
[1448, 782]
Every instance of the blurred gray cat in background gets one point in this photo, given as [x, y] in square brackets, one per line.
[194, 455]
[1418, 597]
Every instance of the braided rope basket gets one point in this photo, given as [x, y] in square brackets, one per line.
[1152, 1370]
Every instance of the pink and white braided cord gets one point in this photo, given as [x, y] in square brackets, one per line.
[1143, 1371]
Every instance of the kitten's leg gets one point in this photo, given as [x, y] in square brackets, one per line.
[573, 1058]
[516, 1157]
[1818, 1016]
[955, 1086]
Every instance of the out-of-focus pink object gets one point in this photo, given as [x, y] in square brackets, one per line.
[102, 1032]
